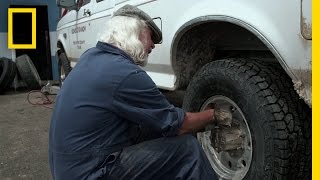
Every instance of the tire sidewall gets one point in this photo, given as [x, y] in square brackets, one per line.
[64, 64]
[8, 72]
[4, 68]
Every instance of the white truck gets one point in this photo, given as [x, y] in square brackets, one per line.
[253, 56]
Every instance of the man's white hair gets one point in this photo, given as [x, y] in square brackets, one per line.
[123, 32]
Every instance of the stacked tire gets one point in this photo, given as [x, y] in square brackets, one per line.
[26, 69]
[7, 73]
[28, 72]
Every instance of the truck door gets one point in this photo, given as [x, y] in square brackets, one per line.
[81, 31]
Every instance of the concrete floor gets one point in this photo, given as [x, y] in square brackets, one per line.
[24, 135]
[23, 138]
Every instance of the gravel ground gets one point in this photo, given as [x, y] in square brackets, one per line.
[23, 138]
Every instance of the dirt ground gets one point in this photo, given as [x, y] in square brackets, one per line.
[23, 137]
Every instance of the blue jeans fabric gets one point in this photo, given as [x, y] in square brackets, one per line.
[179, 157]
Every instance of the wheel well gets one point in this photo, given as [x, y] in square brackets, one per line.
[203, 42]
[60, 47]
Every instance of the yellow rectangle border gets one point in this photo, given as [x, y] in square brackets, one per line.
[315, 92]
[10, 33]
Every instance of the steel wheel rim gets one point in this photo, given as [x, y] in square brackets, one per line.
[228, 164]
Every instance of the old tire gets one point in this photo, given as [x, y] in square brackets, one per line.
[275, 123]
[64, 66]
[7, 73]
[28, 72]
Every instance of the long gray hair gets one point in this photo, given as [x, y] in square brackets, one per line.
[123, 32]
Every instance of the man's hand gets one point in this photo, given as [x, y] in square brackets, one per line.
[193, 122]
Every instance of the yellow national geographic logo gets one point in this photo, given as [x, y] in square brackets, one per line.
[22, 28]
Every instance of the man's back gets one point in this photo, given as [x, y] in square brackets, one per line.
[83, 121]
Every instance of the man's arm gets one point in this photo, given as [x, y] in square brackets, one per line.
[194, 122]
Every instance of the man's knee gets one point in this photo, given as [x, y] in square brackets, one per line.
[188, 139]
[188, 143]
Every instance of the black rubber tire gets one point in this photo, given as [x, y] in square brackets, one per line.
[28, 72]
[11, 73]
[64, 64]
[7, 73]
[280, 122]
[3, 72]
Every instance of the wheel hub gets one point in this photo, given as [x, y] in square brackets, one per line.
[227, 139]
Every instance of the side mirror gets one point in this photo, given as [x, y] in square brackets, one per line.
[67, 4]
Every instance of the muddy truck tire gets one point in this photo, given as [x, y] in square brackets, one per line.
[270, 134]
[64, 67]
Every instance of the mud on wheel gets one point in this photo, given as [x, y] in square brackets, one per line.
[270, 136]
